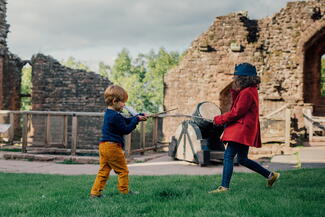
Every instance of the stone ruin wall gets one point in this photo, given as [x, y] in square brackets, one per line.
[274, 45]
[54, 88]
[58, 88]
[10, 72]
[10, 68]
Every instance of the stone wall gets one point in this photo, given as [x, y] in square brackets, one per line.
[276, 45]
[10, 68]
[11, 75]
[54, 88]
[4, 27]
[58, 88]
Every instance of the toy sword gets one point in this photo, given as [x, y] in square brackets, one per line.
[133, 112]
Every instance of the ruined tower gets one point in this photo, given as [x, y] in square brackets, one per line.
[10, 68]
[286, 49]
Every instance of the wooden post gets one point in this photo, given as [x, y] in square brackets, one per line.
[12, 128]
[311, 131]
[74, 135]
[47, 130]
[155, 133]
[142, 136]
[128, 145]
[287, 127]
[25, 131]
[65, 131]
[310, 124]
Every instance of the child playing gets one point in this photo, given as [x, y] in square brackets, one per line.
[111, 155]
[242, 126]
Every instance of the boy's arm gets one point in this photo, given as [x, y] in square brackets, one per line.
[240, 109]
[125, 126]
[128, 120]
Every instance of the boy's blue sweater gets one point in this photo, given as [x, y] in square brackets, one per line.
[115, 126]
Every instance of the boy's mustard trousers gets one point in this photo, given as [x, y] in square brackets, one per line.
[111, 156]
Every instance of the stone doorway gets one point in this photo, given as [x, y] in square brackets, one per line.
[314, 82]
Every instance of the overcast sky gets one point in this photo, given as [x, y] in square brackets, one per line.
[96, 30]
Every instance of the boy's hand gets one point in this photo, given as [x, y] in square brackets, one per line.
[142, 117]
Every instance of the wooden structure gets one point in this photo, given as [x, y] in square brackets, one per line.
[70, 142]
[192, 143]
[48, 144]
[282, 119]
[315, 126]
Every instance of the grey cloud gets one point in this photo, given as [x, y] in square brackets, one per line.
[73, 24]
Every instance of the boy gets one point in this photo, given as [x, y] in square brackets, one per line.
[242, 126]
[111, 144]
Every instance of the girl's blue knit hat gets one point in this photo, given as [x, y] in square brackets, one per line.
[245, 69]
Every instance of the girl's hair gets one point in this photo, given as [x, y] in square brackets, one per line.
[115, 92]
[247, 81]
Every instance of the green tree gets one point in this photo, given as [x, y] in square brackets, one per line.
[143, 77]
[104, 69]
[158, 65]
[26, 88]
[122, 67]
[129, 74]
[71, 62]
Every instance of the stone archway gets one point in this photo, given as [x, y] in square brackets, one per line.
[313, 50]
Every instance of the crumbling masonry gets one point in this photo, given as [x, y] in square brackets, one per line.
[286, 48]
[54, 88]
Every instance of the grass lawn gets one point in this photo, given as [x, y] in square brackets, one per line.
[298, 193]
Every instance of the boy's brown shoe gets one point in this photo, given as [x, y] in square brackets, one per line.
[219, 190]
[275, 176]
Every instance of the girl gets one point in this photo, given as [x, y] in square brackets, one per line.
[242, 126]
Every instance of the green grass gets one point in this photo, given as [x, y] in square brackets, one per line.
[298, 193]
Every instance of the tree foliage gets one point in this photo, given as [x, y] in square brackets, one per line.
[143, 77]
[26, 87]
[104, 69]
[158, 65]
[71, 62]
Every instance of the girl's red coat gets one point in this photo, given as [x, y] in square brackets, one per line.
[242, 121]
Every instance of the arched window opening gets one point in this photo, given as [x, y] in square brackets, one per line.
[26, 88]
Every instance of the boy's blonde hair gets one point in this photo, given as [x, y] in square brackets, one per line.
[115, 92]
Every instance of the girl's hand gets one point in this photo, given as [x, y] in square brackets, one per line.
[142, 117]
